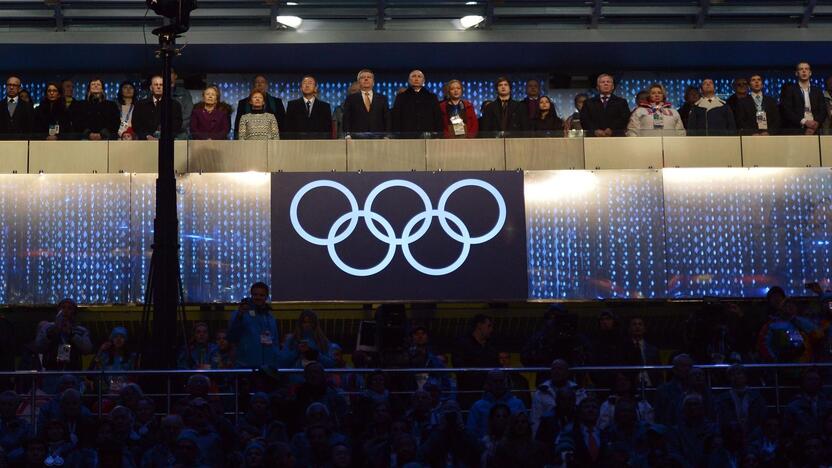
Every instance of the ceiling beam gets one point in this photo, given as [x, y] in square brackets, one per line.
[704, 6]
[596, 15]
[380, 7]
[807, 13]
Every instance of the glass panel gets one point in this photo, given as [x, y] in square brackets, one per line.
[736, 232]
[595, 234]
[64, 236]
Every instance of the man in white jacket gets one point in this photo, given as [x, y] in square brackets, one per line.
[544, 398]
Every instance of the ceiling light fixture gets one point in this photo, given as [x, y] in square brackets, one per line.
[470, 21]
[293, 22]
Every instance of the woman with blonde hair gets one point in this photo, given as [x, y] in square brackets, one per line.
[211, 118]
[655, 115]
[459, 119]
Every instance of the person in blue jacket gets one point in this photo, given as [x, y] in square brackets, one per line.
[253, 330]
[496, 391]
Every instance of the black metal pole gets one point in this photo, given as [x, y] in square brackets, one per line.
[165, 279]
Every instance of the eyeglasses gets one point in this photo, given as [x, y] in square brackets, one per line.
[13, 85]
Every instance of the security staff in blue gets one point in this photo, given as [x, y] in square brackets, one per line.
[253, 330]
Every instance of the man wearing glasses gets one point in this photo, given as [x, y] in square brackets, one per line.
[16, 116]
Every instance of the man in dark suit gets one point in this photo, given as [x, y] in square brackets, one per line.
[416, 109]
[757, 114]
[16, 116]
[605, 114]
[802, 105]
[504, 114]
[366, 111]
[273, 104]
[147, 115]
[532, 99]
[638, 352]
[308, 118]
[580, 443]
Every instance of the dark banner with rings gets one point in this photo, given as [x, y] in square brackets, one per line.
[407, 236]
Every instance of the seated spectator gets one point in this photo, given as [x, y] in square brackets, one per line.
[626, 428]
[498, 421]
[200, 353]
[670, 394]
[451, 440]
[812, 452]
[741, 404]
[97, 118]
[63, 342]
[710, 115]
[258, 415]
[638, 352]
[253, 330]
[607, 347]
[115, 355]
[768, 442]
[419, 354]
[787, 337]
[729, 446]
[52, 120]
[258, 124]
[574, 120]
[13, 430]
[197, 419]
[688, 437]
[211, 118]
[546, 120]
[556, 420]
[459, 119]
[518, 447]
[496, 391]
[126, 103]
[123, 436]
[580, 444]
[519, 383]
[188, 452]
[254, 455]
[72, 413]
[558, 338]
[317, 414]
[544, 399]
[307, 343]
[146, 424]
[280, 455]
[475, 350]
[698, 383]
[147, 116]
[35, 452]
[224, 357]
[622, 390]
[315, 388]
[804, 413]
[655, 116]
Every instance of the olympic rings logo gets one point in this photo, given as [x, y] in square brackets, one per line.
[411, 232]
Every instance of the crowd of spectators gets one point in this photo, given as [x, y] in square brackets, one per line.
[323, 417]
[801, 108]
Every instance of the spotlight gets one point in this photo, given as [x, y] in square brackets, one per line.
[179, 11]
[293, 22]
[470, 21]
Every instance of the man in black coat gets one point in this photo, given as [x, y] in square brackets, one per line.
[416, 109]
[605, 114]
[758, 114]
[504, 114]
[366, 111]
[308, 118]
[711, 115]
[16, 117]
[532, 99]
[147, 115]
[274, 105]
[802, 105]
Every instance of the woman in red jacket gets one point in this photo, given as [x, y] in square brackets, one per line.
[458, 117]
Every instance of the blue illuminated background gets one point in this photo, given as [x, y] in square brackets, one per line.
[478, 88]
[670, 233]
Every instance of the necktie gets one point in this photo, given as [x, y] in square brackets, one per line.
[308, 108]
[758, 101]
[367, 101]
[592, 445]
[604, 100]
[12, 106]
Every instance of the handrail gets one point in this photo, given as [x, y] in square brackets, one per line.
[410, 370]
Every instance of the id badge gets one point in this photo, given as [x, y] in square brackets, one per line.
[54, 129]
[762, 120]
[459, 125]
[64, 351]
[122, 127]
[266, 338]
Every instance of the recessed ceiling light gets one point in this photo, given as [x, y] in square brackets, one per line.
[470, 3]
[471, 20]
[290, 21]
[291, 3]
